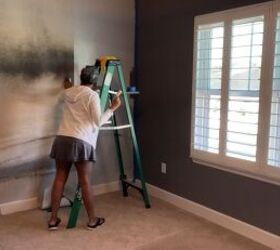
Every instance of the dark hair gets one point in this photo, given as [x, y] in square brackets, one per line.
[67, 83]
[68, 79]
[89, 75]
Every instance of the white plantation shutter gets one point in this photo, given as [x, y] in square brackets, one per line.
[236, 91]
[209, 56]
[244, 86]
[274, 133]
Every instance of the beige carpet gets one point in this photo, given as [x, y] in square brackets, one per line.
[129, 226]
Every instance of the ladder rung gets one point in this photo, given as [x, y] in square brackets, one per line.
[128, 92]
[107, 123]
[113, 92]
[116, 127]
[133, 92]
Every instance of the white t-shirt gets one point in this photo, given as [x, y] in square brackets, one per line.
[82, 115]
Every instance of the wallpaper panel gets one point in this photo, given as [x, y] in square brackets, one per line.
[36, 53]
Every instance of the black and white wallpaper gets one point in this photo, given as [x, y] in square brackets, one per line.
[36, 53]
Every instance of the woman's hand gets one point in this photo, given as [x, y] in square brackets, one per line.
[116, 102]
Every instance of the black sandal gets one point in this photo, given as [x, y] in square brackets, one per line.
[99, 222]
[54, 226]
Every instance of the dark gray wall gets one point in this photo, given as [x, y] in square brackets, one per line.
[164, 75]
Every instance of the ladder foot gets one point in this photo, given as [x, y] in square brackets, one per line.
[125, 188]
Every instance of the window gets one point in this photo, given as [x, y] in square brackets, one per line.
[274, 134]
[208, 87]
[236, 90]
[244, 86]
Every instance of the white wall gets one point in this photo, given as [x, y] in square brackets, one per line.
[105, 27]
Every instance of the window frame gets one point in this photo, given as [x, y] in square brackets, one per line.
[260, 168]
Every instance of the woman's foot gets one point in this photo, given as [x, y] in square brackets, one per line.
[52, 226]
[98, 222]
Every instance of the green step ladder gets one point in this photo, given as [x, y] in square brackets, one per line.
[106, 93]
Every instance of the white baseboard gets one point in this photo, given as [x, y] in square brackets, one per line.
[32, 203]
[18, 206]
[237, 226]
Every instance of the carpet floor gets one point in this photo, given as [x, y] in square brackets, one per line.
[128, 226]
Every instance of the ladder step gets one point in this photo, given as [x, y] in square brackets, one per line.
[108, 122]
[113, 92]
[128, 92]
[116, 127]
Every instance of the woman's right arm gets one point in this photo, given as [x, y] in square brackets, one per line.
[98, 117]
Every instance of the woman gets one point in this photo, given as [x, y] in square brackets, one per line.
[76, 141]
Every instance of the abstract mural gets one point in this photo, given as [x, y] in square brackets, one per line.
[36, 53]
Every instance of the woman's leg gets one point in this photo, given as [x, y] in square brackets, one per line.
[62, 172]
[84, 174]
